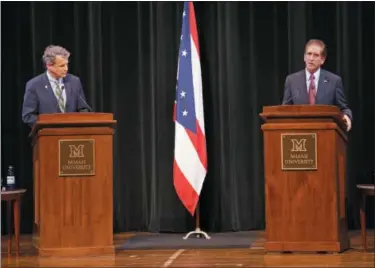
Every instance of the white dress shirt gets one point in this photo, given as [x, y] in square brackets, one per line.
[53, 82]
[316, 76]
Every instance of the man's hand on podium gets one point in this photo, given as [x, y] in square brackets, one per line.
[348, 122]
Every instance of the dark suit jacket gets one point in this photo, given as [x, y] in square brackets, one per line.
[330, 91]
[39, 98]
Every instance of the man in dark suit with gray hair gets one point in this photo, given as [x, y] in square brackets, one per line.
[54, 91]
[314, 85]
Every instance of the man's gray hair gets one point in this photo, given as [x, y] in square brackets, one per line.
[52, 51]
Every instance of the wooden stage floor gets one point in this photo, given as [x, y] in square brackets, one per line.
[252, 257]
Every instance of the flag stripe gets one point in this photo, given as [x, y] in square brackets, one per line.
[193, 26]
[199, 142]
[188, 159]
[197, 82]
[185, 191]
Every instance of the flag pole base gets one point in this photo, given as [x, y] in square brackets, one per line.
[198, 232]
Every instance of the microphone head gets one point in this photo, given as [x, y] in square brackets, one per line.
[62, 87]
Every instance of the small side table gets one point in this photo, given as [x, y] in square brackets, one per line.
[13, 196]
[366, 190]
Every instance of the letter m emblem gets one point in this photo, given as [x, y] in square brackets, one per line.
[76, 151]
[299, 145]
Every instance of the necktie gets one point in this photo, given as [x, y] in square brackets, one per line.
[60, 98]
[312, 91]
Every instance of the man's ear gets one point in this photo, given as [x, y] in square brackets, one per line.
[323, 60]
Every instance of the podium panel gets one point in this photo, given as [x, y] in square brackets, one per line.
[304, 168]
[73, 186]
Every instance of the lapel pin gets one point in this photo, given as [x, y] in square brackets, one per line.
[325, 81]
[45, 86]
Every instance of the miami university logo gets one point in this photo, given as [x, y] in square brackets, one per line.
[299, 145]
[76, 151]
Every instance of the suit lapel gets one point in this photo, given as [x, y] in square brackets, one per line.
[68, 91]
[322, 85]
[302, 86]
[49, 92]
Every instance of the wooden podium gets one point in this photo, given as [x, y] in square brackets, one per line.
[304, 166]
[73, 194]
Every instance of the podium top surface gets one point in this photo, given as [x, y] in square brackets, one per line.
[299, 110]
[303, 112]
[69, 117]
[59, 120]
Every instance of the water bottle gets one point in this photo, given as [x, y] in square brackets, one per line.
[11, 179]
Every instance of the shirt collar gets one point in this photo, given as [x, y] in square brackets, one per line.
[50, 78]
[316, 74]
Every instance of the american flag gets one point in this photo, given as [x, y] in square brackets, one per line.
[190, 157]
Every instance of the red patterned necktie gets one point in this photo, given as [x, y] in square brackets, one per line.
[312, 91]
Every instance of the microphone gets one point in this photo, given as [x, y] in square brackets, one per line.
[80, 97]
[291, 98]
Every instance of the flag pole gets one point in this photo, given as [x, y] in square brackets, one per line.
[198, 232]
